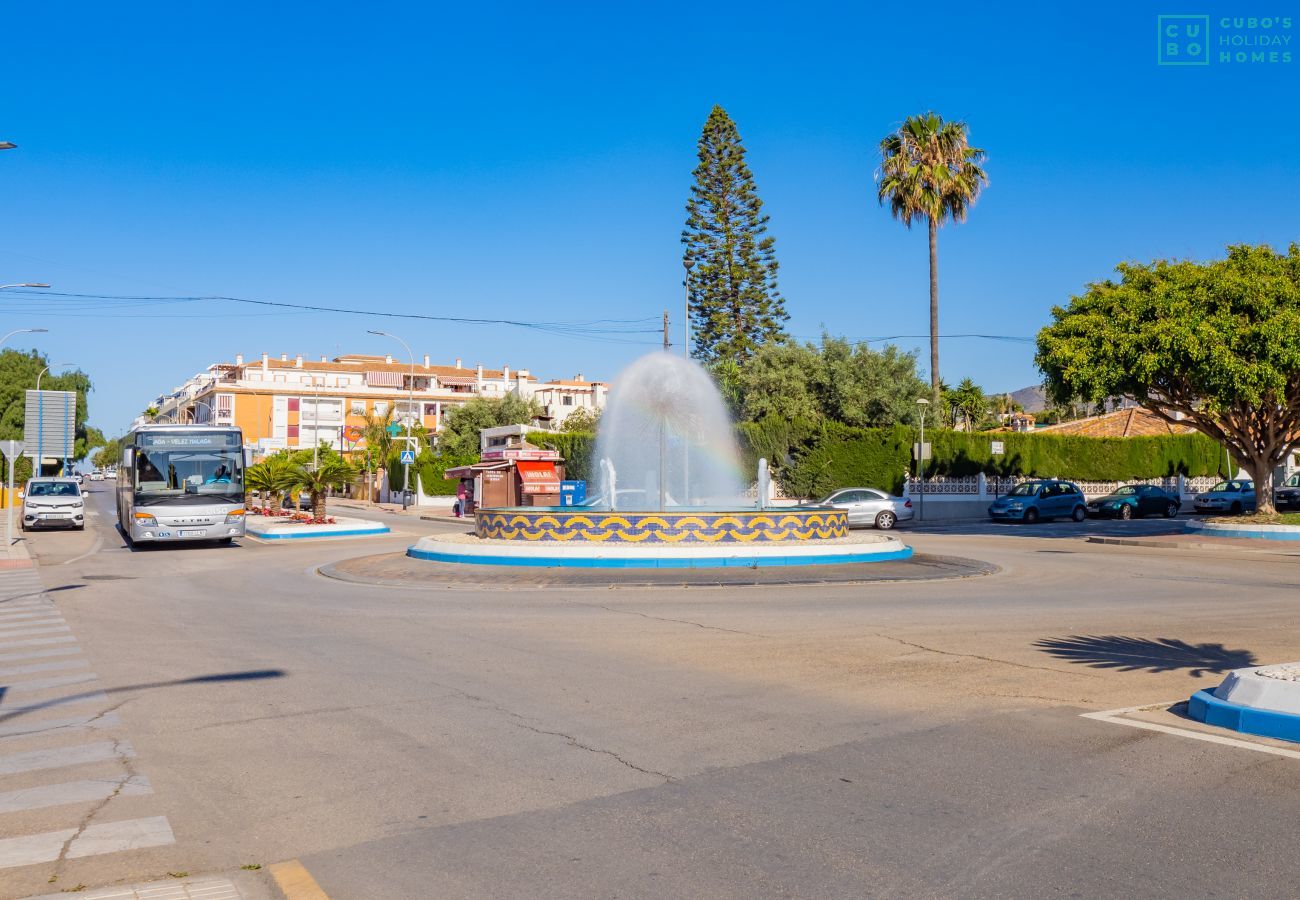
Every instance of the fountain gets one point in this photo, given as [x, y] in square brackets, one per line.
[669, 492]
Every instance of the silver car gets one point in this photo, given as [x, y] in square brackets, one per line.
[868, 506]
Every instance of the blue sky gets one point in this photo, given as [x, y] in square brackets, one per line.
[532, 161]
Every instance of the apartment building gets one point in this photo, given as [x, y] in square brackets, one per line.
[292, 402]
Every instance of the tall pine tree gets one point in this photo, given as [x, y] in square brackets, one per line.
[731, 265]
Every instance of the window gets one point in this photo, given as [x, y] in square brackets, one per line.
[225, 408]
[293, 431]
[430, 409]
[567, 400]
[381, 408]
[293, 404]
[358, 408]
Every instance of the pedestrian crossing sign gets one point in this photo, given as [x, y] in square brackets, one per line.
[408, 457]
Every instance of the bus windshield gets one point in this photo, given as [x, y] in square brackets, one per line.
[165, 475]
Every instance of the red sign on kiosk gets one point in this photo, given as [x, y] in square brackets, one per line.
[538, 477]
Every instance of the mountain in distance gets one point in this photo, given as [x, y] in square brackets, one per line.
[1032, 399]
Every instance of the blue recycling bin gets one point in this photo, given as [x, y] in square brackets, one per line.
[572, 493]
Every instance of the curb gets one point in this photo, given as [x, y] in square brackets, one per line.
[1253, 532]
[1203, 706]
[1184, 545]
[351, 532]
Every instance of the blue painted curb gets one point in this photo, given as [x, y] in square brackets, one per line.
[1205, 707]
[351, 532]
[1232, 531]
[716, 562]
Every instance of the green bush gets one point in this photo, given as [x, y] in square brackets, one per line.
[577, 448]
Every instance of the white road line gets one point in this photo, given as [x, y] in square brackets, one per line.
[40, 684]
[33, 632]
[188, 889]
[39, 654]
[47, 795]
[7, 627]
[110, 837]
[1115, 716]
[8, 617]
[80, 754]
[26, 728]
[26, 609]
[36, 642]
[32, 668]
[94, 697]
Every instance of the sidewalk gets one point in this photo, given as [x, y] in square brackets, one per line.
[1193, 541]
[17, 556]
[431, 513]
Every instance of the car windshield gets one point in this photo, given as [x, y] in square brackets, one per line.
[1293, 481]
[161, 476]
[1028, 489]
[1126, 492]
[54, 489]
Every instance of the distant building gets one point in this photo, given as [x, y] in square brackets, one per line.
[1131, 422]
[295, 402]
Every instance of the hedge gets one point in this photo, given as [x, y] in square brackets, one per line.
[429, 469]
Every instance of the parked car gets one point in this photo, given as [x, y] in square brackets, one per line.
[97, 475]
[1287, 494]
[868, 506]
[53, 503]
[1134, 501]
[1235, 496]
[80, 478]
[1034, 500]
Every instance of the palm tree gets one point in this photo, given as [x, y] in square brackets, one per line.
[333, 471]
[271, 477]
[970, 400]
[929, 170]
[379, 443]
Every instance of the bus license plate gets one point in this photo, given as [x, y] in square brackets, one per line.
[192, 533]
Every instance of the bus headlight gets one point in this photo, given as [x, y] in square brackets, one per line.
[234, 517]
[146, 520]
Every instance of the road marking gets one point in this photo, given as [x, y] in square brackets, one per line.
[7, 618]
[94, 548]
[111, 837]
[31, 632]
[27, 728]
[39, 623]
[93, 697]
[36, 642]
[41, 684]
[1115, 716]
[39, 654]
[44, 667]
[47, 795]
[77, 755]
[296, 882]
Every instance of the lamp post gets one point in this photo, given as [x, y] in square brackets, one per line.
[22, 331]
[197, 402]
[920, 456]
[40, 416]
[25, 284]
[688, 264]
[410, 412]
[7, 145]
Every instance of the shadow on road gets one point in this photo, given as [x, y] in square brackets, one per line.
[250, 675]
[1133, 654]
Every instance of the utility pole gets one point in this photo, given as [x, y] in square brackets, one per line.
[667, 343]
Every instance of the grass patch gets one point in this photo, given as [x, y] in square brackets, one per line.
[1288, 518]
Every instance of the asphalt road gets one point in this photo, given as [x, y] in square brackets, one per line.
[917, 739]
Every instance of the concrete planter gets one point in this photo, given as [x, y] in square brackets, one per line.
[274, 529]
[1264, 700]
[1248, 530]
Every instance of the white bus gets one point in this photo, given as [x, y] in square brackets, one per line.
[181, 483]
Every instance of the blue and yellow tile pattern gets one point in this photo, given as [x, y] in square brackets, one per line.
[596, 526]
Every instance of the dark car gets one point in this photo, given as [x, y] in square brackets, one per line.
[1134, 501]
[1034, 500]
[1288, 494]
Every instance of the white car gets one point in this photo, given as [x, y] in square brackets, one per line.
[53, 503]
[96, 476]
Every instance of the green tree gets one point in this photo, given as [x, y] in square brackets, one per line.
[331, 472]
[108, 454]
[271, 478]
[460, 434]
[734, 303]
[582, 419]
[970, 403]
[929, 170]
[1213, 345]
[835, 381]
[18, 374]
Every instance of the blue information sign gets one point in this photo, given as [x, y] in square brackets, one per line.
[408, 457]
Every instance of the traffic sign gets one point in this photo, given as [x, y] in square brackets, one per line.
[408, 457]
[11, 449]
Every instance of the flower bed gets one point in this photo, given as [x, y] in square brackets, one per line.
[289, 516]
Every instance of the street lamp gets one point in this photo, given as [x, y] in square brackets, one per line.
[197, 402]
[7, 145]
[25, 284]
[40, 416]
[410, 413]
[920, 455]
[22, 331]
[687, 263]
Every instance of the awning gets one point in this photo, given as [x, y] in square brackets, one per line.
[458, 380]
[384, 379]
[538, 477]
[471, 471]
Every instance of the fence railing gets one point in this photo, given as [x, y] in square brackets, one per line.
[993, 485]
